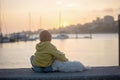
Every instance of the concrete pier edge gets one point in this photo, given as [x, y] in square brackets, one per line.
[95, 73]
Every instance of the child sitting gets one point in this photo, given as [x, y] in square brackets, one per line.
[45, 54]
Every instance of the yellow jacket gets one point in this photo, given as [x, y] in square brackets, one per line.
[45, 54]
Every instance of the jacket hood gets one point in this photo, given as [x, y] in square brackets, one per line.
[42, 45]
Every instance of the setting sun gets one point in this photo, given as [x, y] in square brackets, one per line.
[65, 24]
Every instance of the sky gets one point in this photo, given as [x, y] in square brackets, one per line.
[15, 14]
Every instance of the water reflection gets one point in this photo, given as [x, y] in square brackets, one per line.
[94, 52]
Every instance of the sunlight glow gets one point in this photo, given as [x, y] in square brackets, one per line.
[71, 5]
[65, 24]
[73, 12]
[59, 2]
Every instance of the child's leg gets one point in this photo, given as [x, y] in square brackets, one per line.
[34, 68]
[48, 69]
[37, 69]
[31, 59]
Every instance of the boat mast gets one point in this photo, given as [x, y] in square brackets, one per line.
[60, 22]
[1, 35]
[0, 19]
[29, 14]
[40, 23]
[29, 23]
[5, 24]
[60, 19]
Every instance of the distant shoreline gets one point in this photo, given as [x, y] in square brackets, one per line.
[88, 33]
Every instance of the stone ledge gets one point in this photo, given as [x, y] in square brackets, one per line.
[96, 73]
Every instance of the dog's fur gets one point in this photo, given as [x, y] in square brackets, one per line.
[69, 66]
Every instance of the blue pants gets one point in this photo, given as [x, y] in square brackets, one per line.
[40, 69]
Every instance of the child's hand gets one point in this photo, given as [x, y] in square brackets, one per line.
[60, 52]
[67, 59]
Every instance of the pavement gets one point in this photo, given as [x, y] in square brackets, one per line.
[95, 73]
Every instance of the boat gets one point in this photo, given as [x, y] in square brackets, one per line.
[5, 40]
[31, 38]
[1, 38]
[61, 36]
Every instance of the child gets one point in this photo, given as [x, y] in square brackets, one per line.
[45, 54]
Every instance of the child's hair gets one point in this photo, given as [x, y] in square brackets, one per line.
[45, 36]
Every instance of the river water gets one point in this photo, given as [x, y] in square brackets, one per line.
[101, 50]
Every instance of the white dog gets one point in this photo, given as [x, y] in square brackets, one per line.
[69, 66]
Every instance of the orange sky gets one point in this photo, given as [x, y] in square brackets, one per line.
[15, 12]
